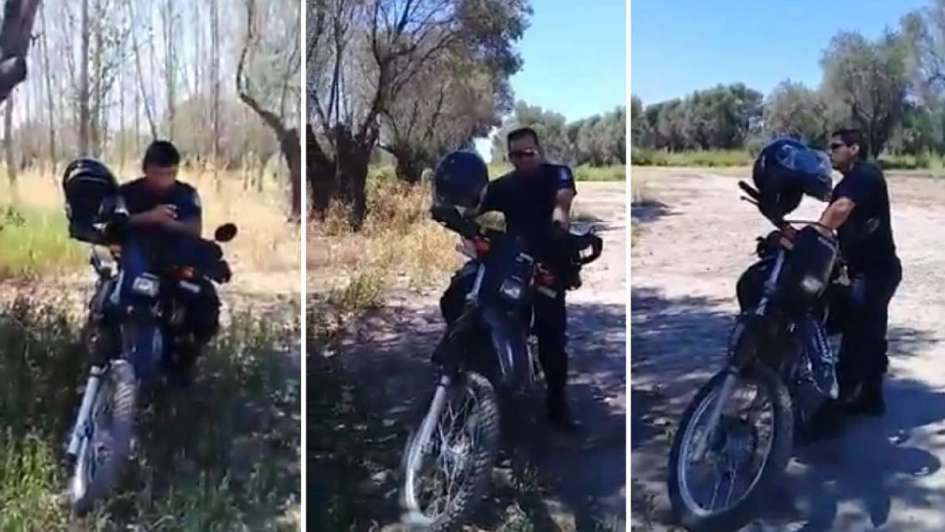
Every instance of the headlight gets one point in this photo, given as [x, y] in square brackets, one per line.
[511, 289]
[146, 285]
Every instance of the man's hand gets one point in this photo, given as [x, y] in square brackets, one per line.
[788, 231]
[160, 215]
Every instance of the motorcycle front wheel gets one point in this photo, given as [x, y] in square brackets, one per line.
[106, 438]
[717, 475]
[447, 468]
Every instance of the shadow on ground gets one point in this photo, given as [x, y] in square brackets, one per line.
[370, 393]
[850, 482]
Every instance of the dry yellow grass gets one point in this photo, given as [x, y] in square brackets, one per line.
[266, 242]
[399, 242]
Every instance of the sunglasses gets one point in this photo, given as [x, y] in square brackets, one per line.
[522, 154]
[836, 145]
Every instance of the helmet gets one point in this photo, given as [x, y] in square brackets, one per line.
[785, 170]
[88, 185]
[460, 179]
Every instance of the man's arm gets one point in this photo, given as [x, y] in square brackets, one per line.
[562, 211]
[165, 217]
[192, 226]
[835, 215]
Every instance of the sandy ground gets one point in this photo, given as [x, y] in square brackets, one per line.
[692, 245]
[389, 356]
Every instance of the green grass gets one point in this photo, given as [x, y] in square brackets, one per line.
[34, 241]
[707, 158]
[930, 161]
[600, 173]
[583, 172]
[221, 456]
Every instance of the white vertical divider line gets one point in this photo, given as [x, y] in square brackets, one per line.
[303, 299]
[629, 277]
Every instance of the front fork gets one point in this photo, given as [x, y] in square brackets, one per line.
[427, 426]
[429, 421]
[82, 420]
[731, 377]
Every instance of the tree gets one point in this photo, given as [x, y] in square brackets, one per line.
[363, 55]
[868, 82]
[15, 38]
[449, 103]
[169, 21]
[85, 115]
[9, 156]
[797, 111]
[601, 139]
[639, 125]
[278, 119]
[50, 102]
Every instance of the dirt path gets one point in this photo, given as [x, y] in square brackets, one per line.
[581, 483]
[692, 245]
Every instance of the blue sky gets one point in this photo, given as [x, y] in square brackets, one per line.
[678, 46]
[574, 57]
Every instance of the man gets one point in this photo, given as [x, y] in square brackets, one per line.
[536, 201]
[164, 212]
[859, 212]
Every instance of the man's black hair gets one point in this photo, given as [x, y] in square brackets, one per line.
[521, 133]
[851, 136]
[161, 153]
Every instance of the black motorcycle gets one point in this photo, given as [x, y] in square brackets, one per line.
[132, 340]
[736, 436]
[448, 459]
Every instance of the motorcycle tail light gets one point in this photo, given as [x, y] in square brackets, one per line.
[481, 246]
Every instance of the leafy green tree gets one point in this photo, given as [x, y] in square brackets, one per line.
[867, 82]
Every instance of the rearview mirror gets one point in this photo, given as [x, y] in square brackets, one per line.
[225, 232]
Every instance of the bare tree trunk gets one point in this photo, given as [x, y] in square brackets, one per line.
[289, 141]
[84, 83]
[49, 94]
[8, 142]
[197, 40]
[215, 80]
[15, 37]
[143, 94]
[95, 121]
[122, 134]
[170, 65]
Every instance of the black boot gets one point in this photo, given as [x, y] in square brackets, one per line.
[559, 414]
[869, 400]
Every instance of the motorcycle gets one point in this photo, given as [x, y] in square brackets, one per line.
[736, 436]
[130, 344]
[448, 459]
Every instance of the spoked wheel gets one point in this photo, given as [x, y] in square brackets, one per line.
[716, 477]
[106, 438]
[446, 473]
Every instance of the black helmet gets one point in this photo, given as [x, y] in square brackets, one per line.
[87, 184]
[785, 170]
[460, 180]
